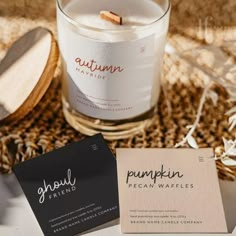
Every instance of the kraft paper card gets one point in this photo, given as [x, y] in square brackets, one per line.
[169, 191]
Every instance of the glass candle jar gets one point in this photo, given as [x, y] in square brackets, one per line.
[111, 72]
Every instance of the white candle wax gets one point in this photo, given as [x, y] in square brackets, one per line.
[135, 14]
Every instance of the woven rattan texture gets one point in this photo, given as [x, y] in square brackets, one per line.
[45, 128]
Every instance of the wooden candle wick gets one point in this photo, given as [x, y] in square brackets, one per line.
[111, 16]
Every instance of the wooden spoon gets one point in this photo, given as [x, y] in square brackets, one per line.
[26, 73]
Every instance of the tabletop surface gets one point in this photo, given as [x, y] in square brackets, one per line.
[17, 218]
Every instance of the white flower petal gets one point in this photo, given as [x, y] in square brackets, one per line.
[192, 142]
[232, 125]
[229, 162]
[227, 144]
[230, 148]
[231, 111]
[213, 96]
[232, 118]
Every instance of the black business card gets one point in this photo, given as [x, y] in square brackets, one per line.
[72, 189]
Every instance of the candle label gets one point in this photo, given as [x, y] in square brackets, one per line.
[109, 80]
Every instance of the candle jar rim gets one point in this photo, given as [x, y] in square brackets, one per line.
[139, 28]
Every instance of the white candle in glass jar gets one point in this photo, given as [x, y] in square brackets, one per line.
[112, 72]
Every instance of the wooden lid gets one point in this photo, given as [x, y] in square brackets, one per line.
[26, 73]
